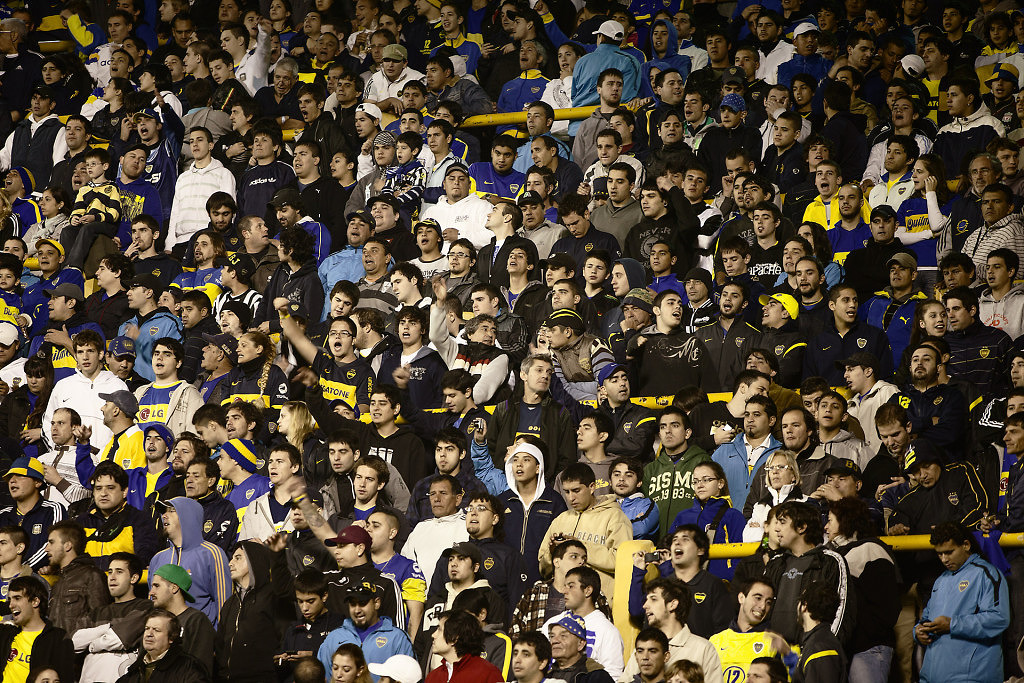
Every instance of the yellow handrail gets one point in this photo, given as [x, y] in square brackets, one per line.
[731, 551]
[518, 117]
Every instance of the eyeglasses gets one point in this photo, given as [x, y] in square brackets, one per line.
[704, 480]
[478, 508]
[777, 468]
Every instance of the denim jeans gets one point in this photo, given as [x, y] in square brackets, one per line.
[871, 665]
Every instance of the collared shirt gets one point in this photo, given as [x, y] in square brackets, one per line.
[754, 452]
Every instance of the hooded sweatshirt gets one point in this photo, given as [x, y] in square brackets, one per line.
[205, 562]
[248, 634]
[671, 56]
[1007, 314]
[602, 527]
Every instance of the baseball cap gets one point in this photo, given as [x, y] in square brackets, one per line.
[26, 467]
[351, 534]
[241, 263]
[286, 196]
[430, 223]
[388, 199]
[566, 317]
[363, 590]
[68, 290]
[920, 452]
[640, 297]
[370, 109]
[574, 624]
[860, 359]
[396, 52]
[913, 65]
[226, 343]
[53, 243]
[787, 301]
[148, 281]
[464, 549]
[122, 346]
[529, 197]
[8, 333]
[362, 215]
[844, 467]
[241, 451]
[1006, 72]
[883, 211]
[734, 75]
[179, 576]
[734, 102]
[124, 400]
[608, 370]
[903, 258]
[805, 27]
[44, 91]
[457, 167]
[600, 188]
[399, 668]
[611, 29]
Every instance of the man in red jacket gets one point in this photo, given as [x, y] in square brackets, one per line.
[457, 641]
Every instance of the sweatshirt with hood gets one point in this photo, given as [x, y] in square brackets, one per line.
[249, 631]
[671, 57]
[602, 527]
[204, 561]
[1007, 314]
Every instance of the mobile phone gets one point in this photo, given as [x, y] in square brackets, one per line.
[652, 557]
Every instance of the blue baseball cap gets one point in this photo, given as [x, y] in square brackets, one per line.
[574, 624]
[122, 346]
[734, 102]
[607, 371]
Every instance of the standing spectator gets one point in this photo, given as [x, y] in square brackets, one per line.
[194, 187]
[81, 586]
[31, 637]
[150, 322]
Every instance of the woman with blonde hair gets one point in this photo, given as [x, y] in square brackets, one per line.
[256, 378]
[297, 425]
[782, 478]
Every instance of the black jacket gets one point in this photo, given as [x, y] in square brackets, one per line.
[556, 430]
[247, 631]
[978, 355]
[173, 667]
[824, 565]
[502, 566]
[788, 343]
[821, 658]
[719, 141]
[938, 414]
[404, 450]
[301, 287]
[220, 521]
[52, 647]
[108, 312]
[678, 226]
[194, 344]
[957, 496]
[866, 269]
[491, 267]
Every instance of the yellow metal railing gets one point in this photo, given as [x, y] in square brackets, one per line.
[519, 117]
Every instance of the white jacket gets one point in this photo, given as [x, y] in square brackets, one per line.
[684, 645]
[467, 215]
[754, 531]
[193, 188]
[1007, 314]
[258, 522]
[254, 69]
[864, 408]
[604, 642]
[893, 196]
[379, 88]
[431, 537]
[77, 392]
[846, 445]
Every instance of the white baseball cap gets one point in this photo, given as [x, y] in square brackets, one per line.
[371, 109]
[805, 27]
[913, 65]
[399, 668]
[612, 29]
[8, 333]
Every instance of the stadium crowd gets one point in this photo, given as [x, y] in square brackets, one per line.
[310, 370]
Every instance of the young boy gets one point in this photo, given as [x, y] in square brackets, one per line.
[431, 262]
[784, 159]
[371, 476]
[13, 542]
[663, 260]
[407, 180]
[626, 476]
[596, 269]
[99, 200]
[11, 290]
[304, 637]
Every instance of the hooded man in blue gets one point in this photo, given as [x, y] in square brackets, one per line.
[205, 562]
[606, 55]
[376, 635]
[665, 51]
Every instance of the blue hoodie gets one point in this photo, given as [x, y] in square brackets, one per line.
[378, 642]
[732, 456]
[205, 562]
[671, 59]
[729, 529]
[160, 323]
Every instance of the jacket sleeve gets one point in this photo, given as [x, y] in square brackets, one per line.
[824, 666]
[146, 540]
[486, 472]
[83, 464]
[60, 654]
[992, 612]
[636, 595]
[491, 379]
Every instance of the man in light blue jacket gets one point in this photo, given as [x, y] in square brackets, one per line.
[743, 457]
[962, 625]
[376, 635]
[606, 55]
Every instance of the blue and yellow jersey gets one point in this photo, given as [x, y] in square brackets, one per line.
[127, 449]
[10, 306]
[737, 650]
[154, 405]
[249, 490]
[406, 573]
[484, 180]
[206, 279]
[844, 241]
[349, 382]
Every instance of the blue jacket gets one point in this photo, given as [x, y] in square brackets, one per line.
[732, 456]
[159, 323]
[137, 197]
[491, 476]
[519, 92]
[34, 301]
[589, 67]
[379, 642]
[729, 529]
[346, 264]
[977, 601]
[206, 563]
[815, 65]
[900, 326]
[671, 59]
[524, 160]
[643, 513]
[136, 495]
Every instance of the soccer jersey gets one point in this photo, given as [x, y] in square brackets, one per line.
[155, 404]
[127, 449]
[249, 490]
[406, 573]
[844, 241]
[737, 650]
[484, 180]
[19, 659]
[348, 382]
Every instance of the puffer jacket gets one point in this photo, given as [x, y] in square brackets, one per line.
[900, 325]
[846, 445]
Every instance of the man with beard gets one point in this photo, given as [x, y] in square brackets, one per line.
[936, 412]
[725, 337]
[142, 481]
[665, 355]
[146, 259]
[220, 520]
[851, 231]
[187, 448]
[814, 314]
